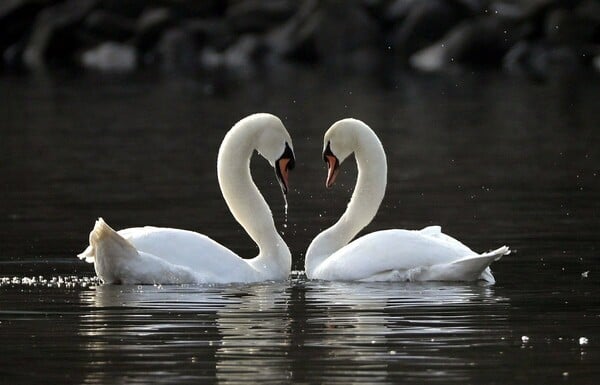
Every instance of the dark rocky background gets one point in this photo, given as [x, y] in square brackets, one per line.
[534, 38]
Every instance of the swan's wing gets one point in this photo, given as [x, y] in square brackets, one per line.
[389, 251]
[187, 248]
[117, 260]
[89, 254]
[469, 268]
[162, 255]
[436, 232]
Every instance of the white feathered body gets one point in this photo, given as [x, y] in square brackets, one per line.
[407, 255]
[163, 255]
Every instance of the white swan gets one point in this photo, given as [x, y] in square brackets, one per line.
[147, 255]
[388, 255]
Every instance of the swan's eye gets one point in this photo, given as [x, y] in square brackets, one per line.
[288, 154]
[333, 165]
[285, 163]
[327, 152]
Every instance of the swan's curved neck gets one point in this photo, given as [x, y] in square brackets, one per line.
[246, 203]
[368, 194]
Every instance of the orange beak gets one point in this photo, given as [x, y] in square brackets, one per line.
[282, 165]
[332, 169]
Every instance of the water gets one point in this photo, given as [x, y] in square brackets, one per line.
[493, 160]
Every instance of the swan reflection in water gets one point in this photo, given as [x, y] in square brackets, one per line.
[274, 332]
[180, 333]
[369, 331]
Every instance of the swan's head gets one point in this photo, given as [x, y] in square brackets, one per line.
[339, 142]
[275, 145]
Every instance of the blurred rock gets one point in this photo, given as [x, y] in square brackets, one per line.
[507, 10]
[554, 61]
[50, 36]
[540, 37]
[345, 36]
[210, 32]
[589, 9]
[424, 23]
[474, 7]
[16, 17]
[398, 10]
[537, 8]
[259, 15]
[516, 60]
[534, 15]
[565, 27]
[177, 50]
[11, 8]
[541, 61]
[150, 26]
[13, 55]
[295, 38]
[109, 26]
[481, 42]
[110, 56]
[240, 56]
[196, 8]
[130, 9]
[376, 8]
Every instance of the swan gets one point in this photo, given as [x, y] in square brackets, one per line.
[387, 255]
[152, 255]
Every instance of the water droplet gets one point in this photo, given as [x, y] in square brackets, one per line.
[585, 275]
[285, 211]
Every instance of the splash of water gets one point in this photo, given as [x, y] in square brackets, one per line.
[285, 211]
[58, 281]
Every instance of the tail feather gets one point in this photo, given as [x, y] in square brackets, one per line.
[498, 253]
[87, 255]
[113, 254]
[104, 237]
[117, 261]
[470, 268]
[478, 267]
[487, 275]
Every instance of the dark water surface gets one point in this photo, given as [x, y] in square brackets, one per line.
[493, 160]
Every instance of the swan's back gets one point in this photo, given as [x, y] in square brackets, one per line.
[183, 247]
[403, 255]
